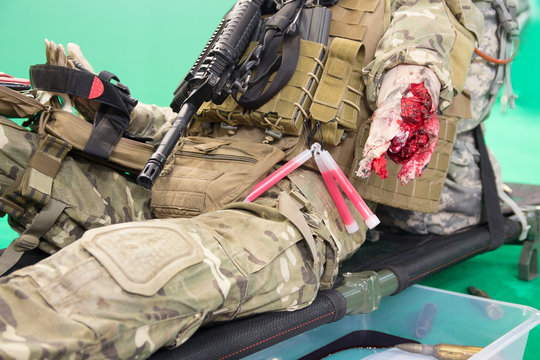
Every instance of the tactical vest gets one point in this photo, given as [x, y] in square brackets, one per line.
[229, 149]
[324, 101]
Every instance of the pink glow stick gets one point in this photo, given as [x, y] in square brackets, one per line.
[350, 223]
[279, 174]
[333, 168]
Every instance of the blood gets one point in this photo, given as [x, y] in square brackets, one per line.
[416, 112]
[379, 166]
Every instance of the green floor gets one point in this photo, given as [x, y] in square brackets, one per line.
[150, 47]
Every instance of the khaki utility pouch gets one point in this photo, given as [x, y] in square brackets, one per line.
[128, 155]
[209, 173]
[336, 104]
[286, 112]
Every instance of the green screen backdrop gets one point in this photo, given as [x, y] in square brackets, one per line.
[151, 45]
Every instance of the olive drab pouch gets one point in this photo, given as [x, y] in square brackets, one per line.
[287, 111]
[207, 174]
[363, 21]
[336, 104]
[339, 106]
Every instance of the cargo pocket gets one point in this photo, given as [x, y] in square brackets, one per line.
[274, 233]
[209, 173]
[138, 269]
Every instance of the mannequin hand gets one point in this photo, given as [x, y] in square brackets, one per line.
[56, 55]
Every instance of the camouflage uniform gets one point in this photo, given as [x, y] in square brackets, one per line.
[461, 200]
[109, 197]
[216, 252]
[125, 290]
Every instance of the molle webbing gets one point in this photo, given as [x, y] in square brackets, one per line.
[35, 185]
[336, 105]
[363, 21]
[286, 112]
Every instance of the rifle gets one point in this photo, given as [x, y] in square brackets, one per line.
[215, 74]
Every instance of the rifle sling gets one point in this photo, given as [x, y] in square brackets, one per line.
[283, 66]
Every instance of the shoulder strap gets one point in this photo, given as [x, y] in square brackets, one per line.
[490, 195]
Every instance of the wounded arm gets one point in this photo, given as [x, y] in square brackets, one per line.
[431, 34]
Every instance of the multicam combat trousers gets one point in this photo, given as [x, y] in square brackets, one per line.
[125, 290]
[95, 194]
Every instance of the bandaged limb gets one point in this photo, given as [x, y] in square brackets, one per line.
[145, 120]
[405, 126]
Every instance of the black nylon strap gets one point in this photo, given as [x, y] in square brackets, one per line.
[109, 127]
[255, 97]
[489, 192]
[110, 122]
[77, 83]
[112, 116]
[276, 34]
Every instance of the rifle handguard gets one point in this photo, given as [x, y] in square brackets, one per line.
[210, 79]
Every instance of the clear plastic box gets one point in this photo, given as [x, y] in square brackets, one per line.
[459, 319]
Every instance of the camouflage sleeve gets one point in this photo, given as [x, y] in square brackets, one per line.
[150, 121]
[423, 32]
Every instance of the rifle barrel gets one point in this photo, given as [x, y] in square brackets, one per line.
[157, 161]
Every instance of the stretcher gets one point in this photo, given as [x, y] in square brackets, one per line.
[385, 265]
